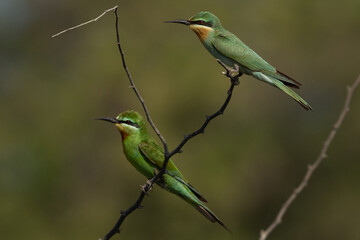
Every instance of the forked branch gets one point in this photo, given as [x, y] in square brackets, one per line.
[167, 155]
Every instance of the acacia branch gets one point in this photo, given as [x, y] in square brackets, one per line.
[167, 155]
[312, 167]
[234, 82]
[82, 24]
[148, 185]
[133, 84]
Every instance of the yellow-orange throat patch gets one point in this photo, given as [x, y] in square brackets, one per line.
[122, 130]
[201, 31]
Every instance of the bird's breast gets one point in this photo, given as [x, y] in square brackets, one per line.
[201, 31]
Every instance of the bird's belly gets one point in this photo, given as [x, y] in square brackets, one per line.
[228, 61]
[138, 162]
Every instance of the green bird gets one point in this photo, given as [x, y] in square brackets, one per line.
[228, 48]
[147, 157]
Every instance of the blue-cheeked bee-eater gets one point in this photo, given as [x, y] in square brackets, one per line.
[147, 157]
[230, 50]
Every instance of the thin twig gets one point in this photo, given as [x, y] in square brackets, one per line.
[134, 87]
[82, 24]
[124, 214]
[234, 81]
[167, 155]
[312, 167]
[208, 119]
[148, 185]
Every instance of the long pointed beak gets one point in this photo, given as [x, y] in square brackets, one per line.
[181, 21]
[112, 120]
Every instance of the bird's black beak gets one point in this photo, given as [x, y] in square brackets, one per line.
[112, 120]
[181, 21]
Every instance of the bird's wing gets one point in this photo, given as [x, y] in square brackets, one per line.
[192, 189]
[154, 154]
[232, 47]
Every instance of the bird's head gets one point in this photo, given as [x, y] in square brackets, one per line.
[201, 23]
[129, 123]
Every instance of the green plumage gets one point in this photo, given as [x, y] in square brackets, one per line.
[147, 157]
[225, 46]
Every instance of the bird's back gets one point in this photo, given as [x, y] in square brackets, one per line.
[232, 47]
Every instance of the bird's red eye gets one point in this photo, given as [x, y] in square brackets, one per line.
[201, 22]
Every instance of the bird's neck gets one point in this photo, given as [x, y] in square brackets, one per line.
[201, 31]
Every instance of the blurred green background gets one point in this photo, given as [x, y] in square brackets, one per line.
[64, 176]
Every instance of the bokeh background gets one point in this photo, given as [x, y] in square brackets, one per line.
[63, 175]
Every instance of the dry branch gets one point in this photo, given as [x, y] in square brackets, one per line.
[234, 81]
[148, 185]
[82, 24]
[312, 167]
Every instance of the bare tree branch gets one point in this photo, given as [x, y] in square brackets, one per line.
[134, 87]
[167, 155]
[312, 167]
[148, 185]
[234, 81]
[82, 24]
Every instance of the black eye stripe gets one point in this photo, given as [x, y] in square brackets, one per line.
[202, 22]
[128, 122]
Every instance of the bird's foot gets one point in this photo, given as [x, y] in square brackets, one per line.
[232, 73]
[235, 74]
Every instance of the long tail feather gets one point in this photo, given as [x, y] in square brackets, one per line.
[182, 190]
[279, 84]
[211, 216]
[292, 94]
